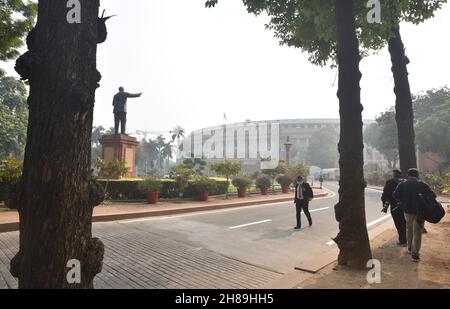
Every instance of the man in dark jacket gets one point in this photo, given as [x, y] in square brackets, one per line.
[120, 109]
[407, 195]
[389, 201]
[303, 195]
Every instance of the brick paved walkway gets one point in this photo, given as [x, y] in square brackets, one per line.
[137, 258]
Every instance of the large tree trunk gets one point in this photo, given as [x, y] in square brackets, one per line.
[353, 240]
[403, 104]
[56, 196]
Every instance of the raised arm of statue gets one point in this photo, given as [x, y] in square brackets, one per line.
[131, 95]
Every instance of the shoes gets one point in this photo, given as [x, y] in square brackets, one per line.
[297, 227]
[400, 244]
[409, 251]
[415, 258]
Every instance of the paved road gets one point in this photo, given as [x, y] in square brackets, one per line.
[233, 248]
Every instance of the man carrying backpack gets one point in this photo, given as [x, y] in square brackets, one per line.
[408, 195]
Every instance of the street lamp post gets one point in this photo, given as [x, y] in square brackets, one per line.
[288, 146]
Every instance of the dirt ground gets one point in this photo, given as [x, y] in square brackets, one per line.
[397, 269]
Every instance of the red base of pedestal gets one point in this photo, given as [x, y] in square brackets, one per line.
[120, 148]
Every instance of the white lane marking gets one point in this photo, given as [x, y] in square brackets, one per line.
[265, 221]
[378, 221]
[330, 195]
[249, 224]
[332, 243]
[208, 212]
[374, 190]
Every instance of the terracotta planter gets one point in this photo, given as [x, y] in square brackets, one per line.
[152, 197]
[285, 190]
[242, 193]
[264, 191]
[203, 196]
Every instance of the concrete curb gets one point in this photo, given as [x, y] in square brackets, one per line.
[14, 226]
[306, 269]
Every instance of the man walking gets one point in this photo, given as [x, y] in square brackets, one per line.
[120, 109]
[303, 195]
[389, 201]
[407, 195]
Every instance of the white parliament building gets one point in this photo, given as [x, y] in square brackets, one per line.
[261, 144]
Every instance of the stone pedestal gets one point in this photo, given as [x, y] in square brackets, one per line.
[121, 148]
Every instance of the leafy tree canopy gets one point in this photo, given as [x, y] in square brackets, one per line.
[433, 133]
[323, 151]
[13, 117]
[310, 24]
[16, 19]
[426, 104]
[383, 136]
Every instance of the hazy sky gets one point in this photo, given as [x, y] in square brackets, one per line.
[195, 64]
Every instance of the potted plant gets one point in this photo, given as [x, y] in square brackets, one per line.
[263, 183]
[182, 176]
[285, 182]
[242, 185]
[203, 186]
[152, 186]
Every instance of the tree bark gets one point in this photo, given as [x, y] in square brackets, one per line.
[57, 195]
[403, 104]
[352, 240]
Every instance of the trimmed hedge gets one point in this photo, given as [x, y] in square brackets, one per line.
[129, 189]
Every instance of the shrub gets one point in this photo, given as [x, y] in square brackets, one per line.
[182, 175]
[150, 184]
[263, 182]
[284, 181]
[242, 182]
[204, 184]
[132, 190]
[439, 183]
[10, 174]
[377, 178]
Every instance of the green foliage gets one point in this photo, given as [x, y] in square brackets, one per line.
[113, 169]
[152, 153]
[198, 165]
[96, 148]
[227, 168]
[133, 190]
[323, 150]
[297, 170]
[263, 182]
[150, 184]
[204, 184]
[10, 174]
[182, 175]
[242, 182]
[383, 136]
[433, 133]
[426, 104]
[177, 133]
[284, 181]
[310, 24]
[13, 117]
[16, 19]
[272, 173]
[439, 183]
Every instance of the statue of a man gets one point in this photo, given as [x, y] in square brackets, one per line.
[120, 109]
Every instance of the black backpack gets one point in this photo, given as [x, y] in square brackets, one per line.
[430, 210]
